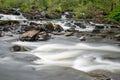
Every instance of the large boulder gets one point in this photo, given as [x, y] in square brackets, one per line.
[58, 28]
[49, 27]
[42, 36]
[29, 35]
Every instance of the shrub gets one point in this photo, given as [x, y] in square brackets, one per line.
[115, 14]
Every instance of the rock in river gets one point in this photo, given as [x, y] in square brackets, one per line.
[82, 38]
[17, 48]
[42, 36]
[29, 35]
[69, 34]
[58, 28]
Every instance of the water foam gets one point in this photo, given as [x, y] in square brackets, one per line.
[80, 56]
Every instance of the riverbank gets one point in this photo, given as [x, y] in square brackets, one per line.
[46, 15]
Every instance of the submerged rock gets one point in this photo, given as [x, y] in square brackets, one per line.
[69, 34]
[58, 33]
[19, 48]
[82, 38]
[100, 77]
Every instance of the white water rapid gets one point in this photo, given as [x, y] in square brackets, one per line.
[81, 56]
[12, 17]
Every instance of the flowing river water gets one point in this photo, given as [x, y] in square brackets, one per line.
[61, 58]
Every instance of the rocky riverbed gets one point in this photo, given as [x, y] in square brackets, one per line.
[49, 50]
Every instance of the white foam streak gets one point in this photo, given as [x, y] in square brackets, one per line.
[12, 17]
[80, 56]
[111, 68]
[59, 56]
[82, 46]
[67, 63]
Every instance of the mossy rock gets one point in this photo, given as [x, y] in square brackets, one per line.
[53, 15]
[49, 27]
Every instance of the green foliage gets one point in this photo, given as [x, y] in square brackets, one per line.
[115, 14]
[59, 9]
[89, 7]
[1, 21]
[83, 16]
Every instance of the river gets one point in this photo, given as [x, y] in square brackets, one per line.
[61, 58]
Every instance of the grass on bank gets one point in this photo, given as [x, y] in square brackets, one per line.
[81, 8]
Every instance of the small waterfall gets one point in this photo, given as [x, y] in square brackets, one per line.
[63, 17]
[13, 17]
[20, 18]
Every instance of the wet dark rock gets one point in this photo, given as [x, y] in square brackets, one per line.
[29, 35]
[53, 15]
[37, 17]
[100, 76]
[42, 36]
[34, 26]
[9, 26]
[72, 29]
[96, 31]
[117, 37]
[69, 34]
[24, 57]
[33, 15]
[102, 35]
[49, 27]
[9, 11]
[58, 28]
[18, 48]
[58, 33]
[28, 15]
[1, 34]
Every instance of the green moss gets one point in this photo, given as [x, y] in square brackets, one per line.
[1, 21]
